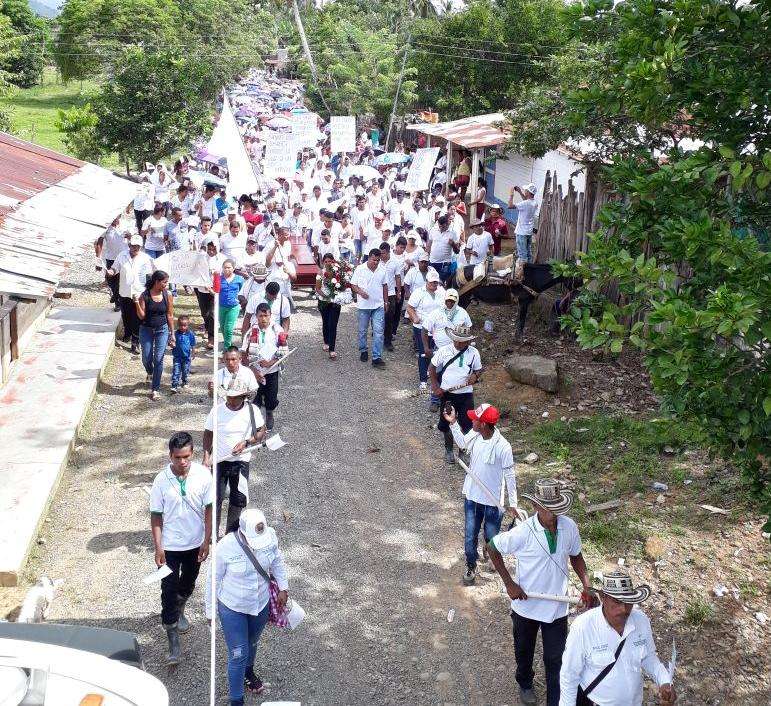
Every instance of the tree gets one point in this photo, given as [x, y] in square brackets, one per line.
[154, 104]
[675, 96]
[79, 127]
[9, 49]
[26, 64]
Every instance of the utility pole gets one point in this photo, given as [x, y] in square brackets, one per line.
[307, 50]
[398, 90]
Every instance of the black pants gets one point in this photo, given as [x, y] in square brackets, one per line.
[206, 305]
[330, 315]
[128, 313]
[179, 583]
[388, 328]
[112, 282]
[553, 636]
[267, 393]
[397, 315]
[140, 217]
[462, 404]
[227, 478]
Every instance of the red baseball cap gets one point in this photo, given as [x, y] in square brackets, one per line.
[484, 413]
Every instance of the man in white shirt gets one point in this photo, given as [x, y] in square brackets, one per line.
[233, 243]
[369, 283]
[437, 322]
[107, 248]
[443, 241]
[396, 210]
[393, 270]
[543, 545]
[421, 303]
[180, 520]
[609, 647]
[491, 466]
[133, 267]
[261, 350]
[420, 217]
[239, 427]
[453, 372]
[526, 214]
[480, 242]
[233, 370]
[144, 201]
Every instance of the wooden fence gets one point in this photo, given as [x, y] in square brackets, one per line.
[565, 219]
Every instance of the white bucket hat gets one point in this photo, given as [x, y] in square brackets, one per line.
[550, 494]
[618, 585]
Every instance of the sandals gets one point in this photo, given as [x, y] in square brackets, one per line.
[253, 684]
[333, 356]
[325, 347]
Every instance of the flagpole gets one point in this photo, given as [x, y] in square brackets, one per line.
[215, 519]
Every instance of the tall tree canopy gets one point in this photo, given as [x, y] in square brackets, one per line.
[673, 97]
[25, 63]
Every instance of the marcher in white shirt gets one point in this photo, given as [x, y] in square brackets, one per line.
[370, 284]
[526, 213]
[180, 519]
[543, 544]
[480, 242]
[421, 303]
[393, 269]
[442, 318]
[233, 370]
[491, 466]
[246, 559]
[144, 201]
[443, 241]
[239, 427]
[595, 641]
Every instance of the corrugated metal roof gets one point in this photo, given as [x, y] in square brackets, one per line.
[51, 206]
[470, 133]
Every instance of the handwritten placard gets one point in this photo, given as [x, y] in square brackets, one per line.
[342, 133]
[419, 176]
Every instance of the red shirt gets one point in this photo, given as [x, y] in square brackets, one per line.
[497, 227]
[252, 219]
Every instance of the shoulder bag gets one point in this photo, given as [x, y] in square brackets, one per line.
[277, 616]
[583, 694]
[439, 373]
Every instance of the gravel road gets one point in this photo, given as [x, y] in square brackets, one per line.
[369, 518]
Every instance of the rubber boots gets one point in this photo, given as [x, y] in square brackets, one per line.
[449, 452]
[175, 656]
[183, 624]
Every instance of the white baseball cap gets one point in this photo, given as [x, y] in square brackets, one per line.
[433, 276]
[532, 188]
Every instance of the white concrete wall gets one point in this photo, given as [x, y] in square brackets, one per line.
[516, 169]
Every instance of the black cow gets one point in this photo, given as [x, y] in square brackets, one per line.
[536, 279]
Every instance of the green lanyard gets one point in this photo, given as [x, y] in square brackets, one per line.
[262, 336]
[551, 538]
[460, 360]
[182, 482]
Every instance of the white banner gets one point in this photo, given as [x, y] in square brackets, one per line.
[342, 133]
[280, 155]
[226, 142]
[186, 267]
[304, 128]
[423, 162]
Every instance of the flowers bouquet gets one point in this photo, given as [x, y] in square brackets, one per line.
[336, 282]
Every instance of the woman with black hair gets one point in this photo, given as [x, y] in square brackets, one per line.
[155, 310]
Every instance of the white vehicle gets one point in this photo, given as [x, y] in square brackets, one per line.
[69, 665]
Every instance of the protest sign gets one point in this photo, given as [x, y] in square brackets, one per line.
[419, 176]
[304, 129]
[280, 155]
[186, 267]
[342, 133]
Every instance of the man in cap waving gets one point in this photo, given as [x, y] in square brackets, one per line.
[526, 214]
[543, 545]
[491, 464]
[608, 649]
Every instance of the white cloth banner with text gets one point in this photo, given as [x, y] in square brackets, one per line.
[186, 267]
[423, 162]
[342, 133]
[280, 155]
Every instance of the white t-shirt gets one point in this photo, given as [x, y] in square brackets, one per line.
[393, 269]
[458, 372]
[480, 244]
[372, 283]
[262, 344]
[439, 319]
[113, 244]
[232, 428]
[156, 227]
[183, 526]
[280, 308]
[526, 210]
[538, 571]
[441, 244]
[233, 247]
[424, 302]
[145, 198]
[133, 272]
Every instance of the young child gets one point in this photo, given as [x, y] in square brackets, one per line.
[262, 350]
[183, 353]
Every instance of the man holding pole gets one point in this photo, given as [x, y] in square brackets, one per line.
[543, 544]
[491, 464]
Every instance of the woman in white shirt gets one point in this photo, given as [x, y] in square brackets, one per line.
[246, 560]
[153, 231]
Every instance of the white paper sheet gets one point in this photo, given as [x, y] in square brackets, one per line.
[243, 486]
[157, 575]
[296, 615]
[275, 442]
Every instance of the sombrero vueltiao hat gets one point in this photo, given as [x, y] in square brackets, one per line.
[550, 494]
[460, 333]
[235, 388]
[618, 585]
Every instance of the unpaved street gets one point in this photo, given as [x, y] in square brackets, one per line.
[369, 520]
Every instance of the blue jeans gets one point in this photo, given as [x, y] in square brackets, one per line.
[357, 251]
[154, 253]
[524, 247]
[476, 514]
[153, 343]
[242, 632]
[377, 317]
[423, 360]
[179, 371]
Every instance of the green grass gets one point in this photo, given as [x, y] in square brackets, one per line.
[35, 110]
[698, 611]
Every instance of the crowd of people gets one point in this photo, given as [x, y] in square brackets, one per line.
[391, 255]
